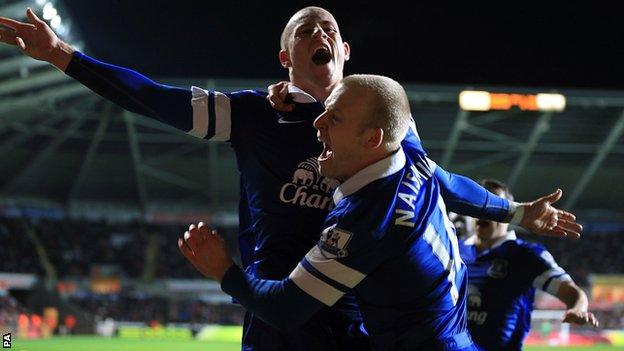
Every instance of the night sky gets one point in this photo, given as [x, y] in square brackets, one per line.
[519, 44]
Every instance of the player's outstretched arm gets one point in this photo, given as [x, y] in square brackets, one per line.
[279, 303]
[36, 39]
[577, 304]
[464, 196]
[124, 87]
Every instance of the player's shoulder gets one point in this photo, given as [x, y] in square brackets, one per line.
[533, 249]
[369, 208]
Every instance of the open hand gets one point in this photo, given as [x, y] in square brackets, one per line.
[580, 317]
[36, 39]
[540, 217]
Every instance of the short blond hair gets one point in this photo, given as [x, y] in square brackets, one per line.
[388, 108]
[292, 23]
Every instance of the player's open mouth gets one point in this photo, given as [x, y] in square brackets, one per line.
[321, 56]
[326, 154]
[482, 223]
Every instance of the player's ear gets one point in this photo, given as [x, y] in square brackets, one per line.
[374, 137]
[347, 51]
[284, 58]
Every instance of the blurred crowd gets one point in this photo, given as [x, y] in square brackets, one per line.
[74, 248]
[140, 250]
[150, 310]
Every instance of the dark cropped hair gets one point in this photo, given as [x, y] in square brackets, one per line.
[494, 186]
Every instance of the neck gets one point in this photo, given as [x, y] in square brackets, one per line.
[318, 91]
[486, 243]
[371, 158]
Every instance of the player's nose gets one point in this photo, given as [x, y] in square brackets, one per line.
[320, 121]
[318, 32]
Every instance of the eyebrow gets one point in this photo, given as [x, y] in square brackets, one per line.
[304, 23]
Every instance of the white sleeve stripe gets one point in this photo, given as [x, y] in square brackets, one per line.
[199, 101]
[333, 269]
[201, 115]
[555, 283]
[315, 287]
[432, 165]
[539, 281]
[432, 238]
[223, 121]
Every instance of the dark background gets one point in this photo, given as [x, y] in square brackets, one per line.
[513, 43]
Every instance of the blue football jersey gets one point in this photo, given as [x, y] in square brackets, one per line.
[390, 241]
[284, 199]
[501, 290]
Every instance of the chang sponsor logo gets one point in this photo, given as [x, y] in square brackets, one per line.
[308, 187]
[475, 314]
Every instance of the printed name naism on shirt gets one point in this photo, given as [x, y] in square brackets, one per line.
[408, 193]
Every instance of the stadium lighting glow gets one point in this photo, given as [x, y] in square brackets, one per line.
[471, 100]
[474, 100]
[55, 22]
[551, 102]
[40, 2]
[49, 11]
[61, 30]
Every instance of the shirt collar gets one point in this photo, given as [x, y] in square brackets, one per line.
[380, 169]
[510, 236]
[299, 95]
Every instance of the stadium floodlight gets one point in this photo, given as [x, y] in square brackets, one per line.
[49, 11]
[474, 100]
[471, 100]
[55, 22]
[551, 102]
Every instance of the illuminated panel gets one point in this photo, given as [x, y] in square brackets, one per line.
[471, 100]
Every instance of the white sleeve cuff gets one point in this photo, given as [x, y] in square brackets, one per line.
[517, 210]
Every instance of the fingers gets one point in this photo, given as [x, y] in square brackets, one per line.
[581, 318]
[566, 215]
[203, 228]
[7, 36]
[279, 97]
[554, 197]
[32, 18]
[572, 228]
[196, 234]
[186, 251]
[192, 237]
[593, 320]
[556, 232]
[11, 23]
[20, 44]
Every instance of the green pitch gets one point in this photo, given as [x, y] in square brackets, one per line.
[103, 344]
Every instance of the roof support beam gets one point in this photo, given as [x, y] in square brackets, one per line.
[135, 151]
[52, 94]
[172, 179]
[88, 159]
[541, 127]
[600, 156]
[35, 163]
[451, 144]
[32, 82]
